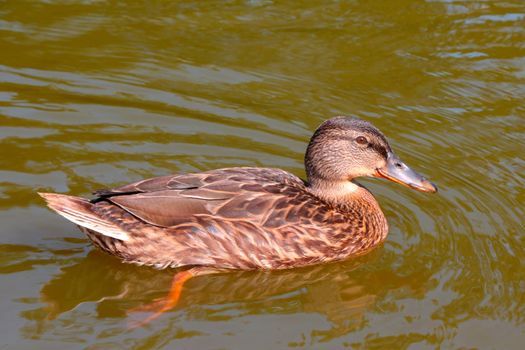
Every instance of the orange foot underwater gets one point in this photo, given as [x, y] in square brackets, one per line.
[159, 306]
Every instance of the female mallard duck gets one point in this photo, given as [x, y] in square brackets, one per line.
[250, 218]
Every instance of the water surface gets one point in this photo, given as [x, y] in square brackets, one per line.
[98, 93]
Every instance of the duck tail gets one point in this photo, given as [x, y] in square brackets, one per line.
[80, 211]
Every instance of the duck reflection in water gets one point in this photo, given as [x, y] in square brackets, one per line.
[119, 290]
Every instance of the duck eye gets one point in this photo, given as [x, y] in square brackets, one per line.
[361, 140]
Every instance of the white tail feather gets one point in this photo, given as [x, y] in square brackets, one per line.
[71, 208]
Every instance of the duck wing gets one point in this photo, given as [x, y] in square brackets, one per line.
[248, 193]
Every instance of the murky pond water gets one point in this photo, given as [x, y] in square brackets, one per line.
[98, 93]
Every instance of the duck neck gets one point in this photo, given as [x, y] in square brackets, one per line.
[353, 200]
[336, 192]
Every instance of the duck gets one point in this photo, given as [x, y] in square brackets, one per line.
[249, 218]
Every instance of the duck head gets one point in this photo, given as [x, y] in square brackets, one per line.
[344, 148]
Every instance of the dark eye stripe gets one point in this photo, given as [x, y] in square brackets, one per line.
[376, 147]
[379, 149]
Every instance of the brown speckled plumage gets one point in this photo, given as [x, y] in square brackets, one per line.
[247, 218]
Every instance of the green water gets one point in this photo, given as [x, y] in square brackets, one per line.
[101, 93]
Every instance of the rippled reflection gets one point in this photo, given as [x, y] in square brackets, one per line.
[96, 94]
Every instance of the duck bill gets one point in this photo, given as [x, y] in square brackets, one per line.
[397, 171]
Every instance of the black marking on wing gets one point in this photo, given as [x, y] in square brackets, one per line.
[104, 194]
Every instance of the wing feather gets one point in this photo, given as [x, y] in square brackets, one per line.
[228, 193]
